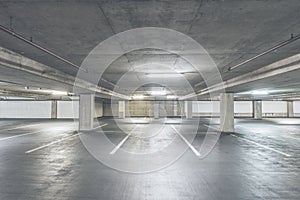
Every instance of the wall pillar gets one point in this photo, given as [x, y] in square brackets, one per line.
[54, 109]
[290, 109]
[189, 109]
[227, 112]
[156, 110]
[122, 109]
[257, 109]
[86, 111]
[175, 111]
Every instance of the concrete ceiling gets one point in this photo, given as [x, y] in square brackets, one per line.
[231, 31]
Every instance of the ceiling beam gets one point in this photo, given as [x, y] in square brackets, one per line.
[16, 61]
[277, 68]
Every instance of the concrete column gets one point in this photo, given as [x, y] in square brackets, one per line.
[290, 109]
[182, 109]
[257, 109]
[54, 109]
[189, 109]
[156, 110]
[227, 112]
[122, 109]
[86, 111]
[175, 111]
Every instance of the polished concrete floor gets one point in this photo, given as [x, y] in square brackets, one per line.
[45, 159]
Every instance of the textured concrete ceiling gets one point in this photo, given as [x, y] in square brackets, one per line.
[231, 31]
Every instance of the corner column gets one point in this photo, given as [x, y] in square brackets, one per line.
[86, 111]
[257, 109]
[122, 109]
[227, 112]
[54, 109]
[189, 109]
[290, 109]
[156, 110]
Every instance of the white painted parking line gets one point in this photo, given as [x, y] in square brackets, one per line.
[215, 128]
[122, 142]
[187, 142]
[57, 141]
[19, 135]
[99, 126]
[51, 143]
[263, 146]
[18, 127]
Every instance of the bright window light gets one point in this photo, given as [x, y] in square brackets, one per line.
[260, 92]
[158, 93]
[171, 97]
[138, 96]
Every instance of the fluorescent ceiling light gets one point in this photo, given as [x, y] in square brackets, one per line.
[163, 75]
[55, 92]
[158, 93]
[138, 96]
[260, 92]
[59, 93]
[171, 97]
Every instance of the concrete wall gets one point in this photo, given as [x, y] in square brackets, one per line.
[98, 109]
[42, 109]
[296, 106]
[274, 108]
[25, 109]
[67, 109]
[206, 108]
[243, 109]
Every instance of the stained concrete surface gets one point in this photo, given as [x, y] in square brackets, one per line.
[235, 169]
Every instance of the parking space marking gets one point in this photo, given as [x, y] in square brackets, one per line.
[19, 135]
[122, 142]
[57, 141]
[215, 128]
[261, 145]
[187, 142]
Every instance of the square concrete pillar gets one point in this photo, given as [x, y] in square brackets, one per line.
[189, 109]
[257, 109]
[182, 109]
[86, 111]
[54, 109]
[290, 109]
[122, 109]
[175, 106]
[227, 112]
[156, 110]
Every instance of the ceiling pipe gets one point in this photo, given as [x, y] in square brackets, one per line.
[24, 64]
[283, 66]
[292, 39]
[20, 37]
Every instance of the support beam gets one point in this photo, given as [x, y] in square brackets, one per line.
[257, 109]
[189, 109]
[12, 60]
[290, 109]
[54, 109]
[156, 110]
[86, 111]
[122, 109]
[277, 68]
[227, 112]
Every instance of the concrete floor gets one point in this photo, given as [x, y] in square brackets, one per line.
[45, 159]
